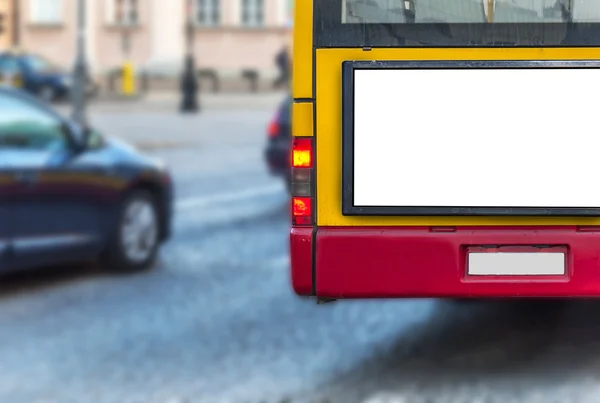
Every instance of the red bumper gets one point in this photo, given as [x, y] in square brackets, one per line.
[389, 262]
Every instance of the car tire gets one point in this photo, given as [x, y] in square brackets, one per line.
[138, 223]
[47, 94]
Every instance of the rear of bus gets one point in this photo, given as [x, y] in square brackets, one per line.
[446, 148]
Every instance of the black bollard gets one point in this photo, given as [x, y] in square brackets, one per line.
[189, 87]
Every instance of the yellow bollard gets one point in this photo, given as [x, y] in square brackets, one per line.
[128, 84]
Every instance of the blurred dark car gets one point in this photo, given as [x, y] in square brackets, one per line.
[38, 76]
[69, 194]
[279, 142]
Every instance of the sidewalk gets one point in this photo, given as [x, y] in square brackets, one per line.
[172, 100]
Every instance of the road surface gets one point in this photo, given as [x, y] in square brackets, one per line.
[216, 320]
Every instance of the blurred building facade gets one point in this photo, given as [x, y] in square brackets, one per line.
[8, 15]
[230, 35]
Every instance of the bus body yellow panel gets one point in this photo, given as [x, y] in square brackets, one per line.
[302, 119]
[329, 127]
[302, 68]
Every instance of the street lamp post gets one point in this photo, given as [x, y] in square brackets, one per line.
[80, 70]
[16, 27]
[189, 80]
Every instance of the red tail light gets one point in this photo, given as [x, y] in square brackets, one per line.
[302, 153]
[302, 181]
[302, 210]
[273, 129]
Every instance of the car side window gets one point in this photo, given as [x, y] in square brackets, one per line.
[23, 126]
[9, 66]
[10, 72]
[38, 64]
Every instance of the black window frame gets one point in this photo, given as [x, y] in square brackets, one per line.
[348, 206]
[330, 32]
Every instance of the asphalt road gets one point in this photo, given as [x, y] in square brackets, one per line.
[216, 320]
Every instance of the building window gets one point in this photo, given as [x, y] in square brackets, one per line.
[253, 13]
[123, 12]
[285, 13]
[46, 11]
[208, 12]
[289, 11]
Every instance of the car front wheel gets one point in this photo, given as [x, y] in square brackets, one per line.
[135, 241]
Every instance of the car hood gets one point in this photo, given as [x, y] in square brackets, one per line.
[117, 152]
[126, 152]
[22, 159]
[53, 74]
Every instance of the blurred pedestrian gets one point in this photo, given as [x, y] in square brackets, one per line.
[282, 60]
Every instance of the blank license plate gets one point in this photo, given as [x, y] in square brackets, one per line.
[516, 264]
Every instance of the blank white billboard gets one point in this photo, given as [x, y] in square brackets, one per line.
[477, 138]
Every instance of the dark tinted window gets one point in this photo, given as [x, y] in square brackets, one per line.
[359, 23]
[469, 11]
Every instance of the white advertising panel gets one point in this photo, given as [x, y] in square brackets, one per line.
[476, 137]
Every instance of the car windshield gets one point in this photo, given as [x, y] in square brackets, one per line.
[40, 64]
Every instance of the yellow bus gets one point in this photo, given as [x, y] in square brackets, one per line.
[445, 148]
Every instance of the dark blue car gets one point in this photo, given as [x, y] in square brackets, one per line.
[69, 194]
[279, 141]
[38, 76]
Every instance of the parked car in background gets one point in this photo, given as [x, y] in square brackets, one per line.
[36, 75]
[279, 141]
[69, 194]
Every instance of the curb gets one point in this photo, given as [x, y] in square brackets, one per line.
[172, 101]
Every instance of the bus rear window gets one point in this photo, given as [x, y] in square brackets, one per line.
[395, 23]
[469, 11]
